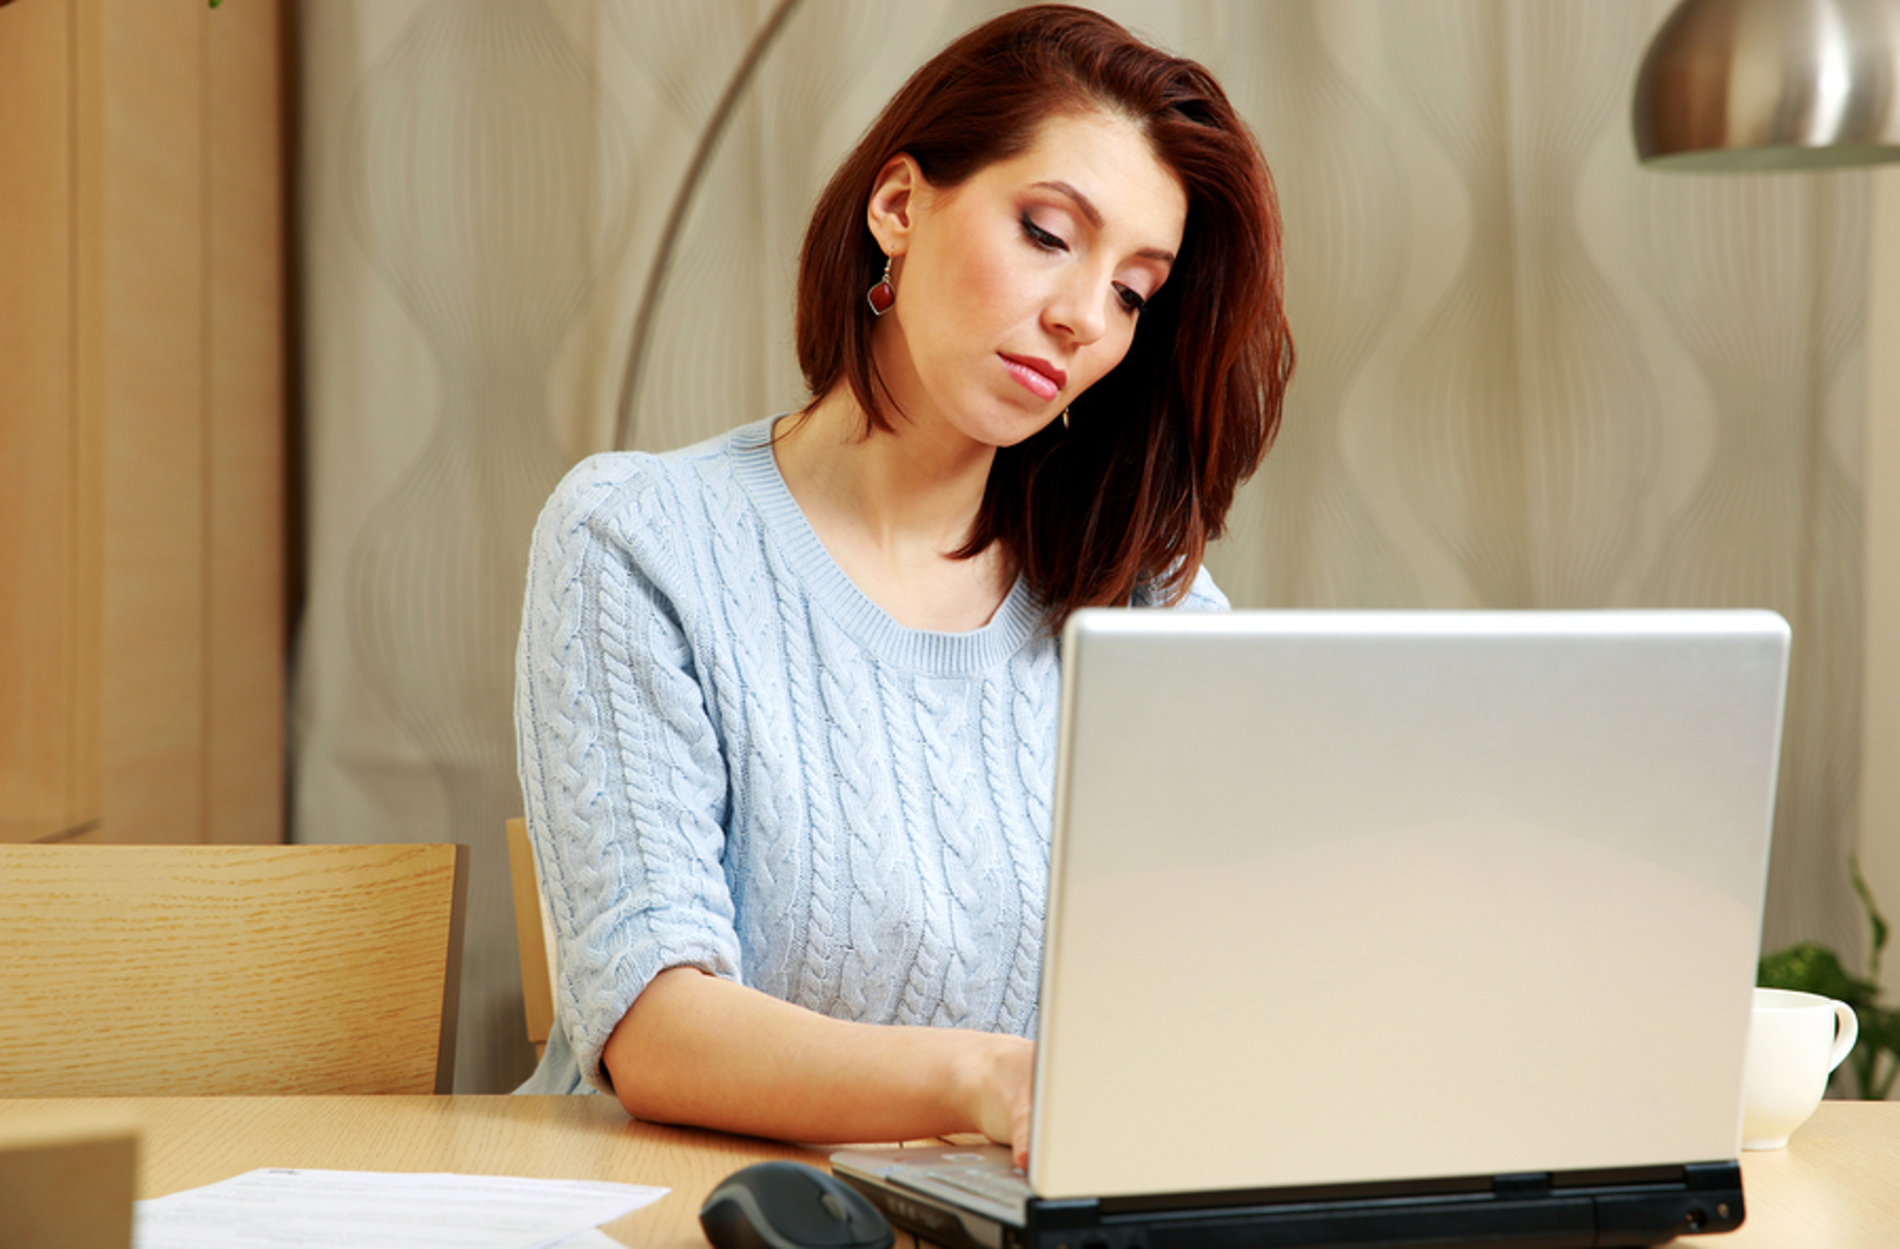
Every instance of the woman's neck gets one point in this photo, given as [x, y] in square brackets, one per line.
[916, 486]
[892, 507]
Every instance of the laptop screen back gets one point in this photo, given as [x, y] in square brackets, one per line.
[1359, 897]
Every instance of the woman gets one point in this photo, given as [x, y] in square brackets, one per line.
[787, 699]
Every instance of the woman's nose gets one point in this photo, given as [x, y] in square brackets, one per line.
[1079, 310]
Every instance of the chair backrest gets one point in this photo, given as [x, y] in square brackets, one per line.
[534, 935]
[198, 970]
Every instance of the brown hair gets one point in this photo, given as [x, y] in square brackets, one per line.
[1131, 493]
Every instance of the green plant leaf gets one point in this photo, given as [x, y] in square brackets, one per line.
[1875, 921]
[1880, 1028]
[1813, 968]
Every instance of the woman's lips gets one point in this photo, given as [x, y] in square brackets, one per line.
[1039, 377]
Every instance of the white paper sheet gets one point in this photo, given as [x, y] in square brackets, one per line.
[592, 1238]
[301, 1209]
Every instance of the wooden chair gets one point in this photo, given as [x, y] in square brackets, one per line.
[67, 1179]
[534, 937]
[195, 970]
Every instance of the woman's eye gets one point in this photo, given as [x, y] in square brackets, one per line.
[1041, 237]
[1131, 302]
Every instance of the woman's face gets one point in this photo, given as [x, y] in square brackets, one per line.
[1018, 289]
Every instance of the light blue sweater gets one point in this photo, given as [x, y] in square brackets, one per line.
[732, 759]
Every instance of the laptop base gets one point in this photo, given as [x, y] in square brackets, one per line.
[1538, 1211]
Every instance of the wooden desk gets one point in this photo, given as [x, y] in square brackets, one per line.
[1837, 1186]
[188, 1141]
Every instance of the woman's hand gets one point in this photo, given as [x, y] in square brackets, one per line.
[1000, 1081]
[698, 1050]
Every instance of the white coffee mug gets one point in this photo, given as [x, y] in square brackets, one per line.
[1795, 1040]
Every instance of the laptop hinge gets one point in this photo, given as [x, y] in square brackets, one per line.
[1299, 1195]
[1528, 1184]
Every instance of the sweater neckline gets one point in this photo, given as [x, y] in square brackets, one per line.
[1014, 623]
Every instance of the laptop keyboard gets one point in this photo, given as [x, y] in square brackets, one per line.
[1003, 1184]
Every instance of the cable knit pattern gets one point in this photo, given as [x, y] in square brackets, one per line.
[732, 759]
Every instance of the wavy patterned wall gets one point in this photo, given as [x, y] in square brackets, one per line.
[1532, 375]
[1580, 383]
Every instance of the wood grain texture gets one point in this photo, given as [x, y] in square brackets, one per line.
[1833, 1185]
[141, 385]
[88, 415]
[229, 969]
[244, 469]
[40, 710]
[150, 362]
[187, 1142]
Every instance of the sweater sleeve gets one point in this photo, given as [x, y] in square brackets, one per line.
[622, 771]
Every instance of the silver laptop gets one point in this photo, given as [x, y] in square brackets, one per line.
[1385, 928]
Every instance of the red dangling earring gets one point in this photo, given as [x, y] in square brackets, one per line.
[883, 294]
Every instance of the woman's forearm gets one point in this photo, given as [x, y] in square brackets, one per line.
[698, 1050]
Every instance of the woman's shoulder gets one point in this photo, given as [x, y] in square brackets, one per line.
[640, 494]
[1202, 595]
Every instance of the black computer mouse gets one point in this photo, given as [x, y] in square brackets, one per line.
[788, 1205]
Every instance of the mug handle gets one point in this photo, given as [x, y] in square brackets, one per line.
[1846, 1032]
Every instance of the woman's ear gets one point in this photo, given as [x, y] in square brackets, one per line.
[895, 199]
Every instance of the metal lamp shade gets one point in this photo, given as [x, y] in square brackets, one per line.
[1771, 84]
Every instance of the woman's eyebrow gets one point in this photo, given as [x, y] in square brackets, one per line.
[1087, 208]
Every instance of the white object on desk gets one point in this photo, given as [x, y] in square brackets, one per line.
[1795, 1041]
[306, 1209]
